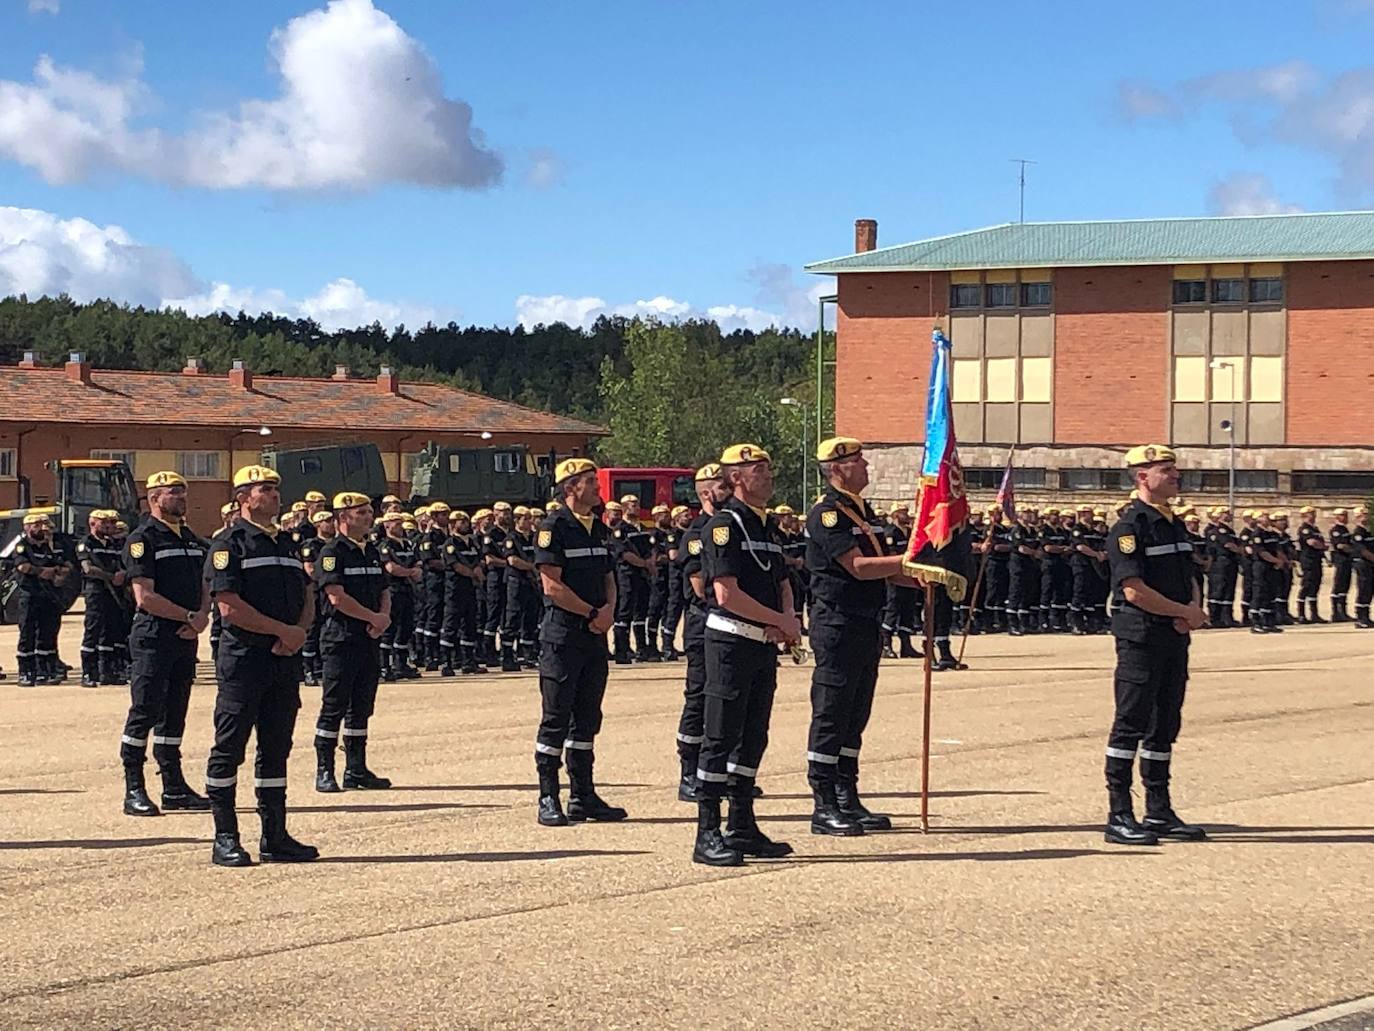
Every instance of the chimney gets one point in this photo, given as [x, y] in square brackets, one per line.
[193, 367]
[340, 372]
[239, 376]
[29, 361]
[387, 381]
[865, 234]
[78, 371]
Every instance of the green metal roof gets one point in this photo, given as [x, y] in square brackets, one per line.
[1342, 235]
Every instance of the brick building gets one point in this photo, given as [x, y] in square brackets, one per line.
[1075, 340]
[205, 425]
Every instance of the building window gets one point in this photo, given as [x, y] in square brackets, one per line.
[1190, 291]
[1315, 482]
[965, 295]
[199, 465]
[1266, 379]
[127, 457]
[1217, 481]
[1095, 479]
[1001, 295]
[1228, 291]
[506, 461]
[7, 468]
[968, 380]
[1036, 374]
[1001, 380]
[1036, 295]
[991, 479]
[1190, 378]
[1266, 291]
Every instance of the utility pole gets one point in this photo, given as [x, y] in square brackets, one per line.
[1021, 180]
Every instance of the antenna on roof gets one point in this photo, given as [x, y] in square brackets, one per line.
[1021, 179]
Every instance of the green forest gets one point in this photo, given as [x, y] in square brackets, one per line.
[670, 393]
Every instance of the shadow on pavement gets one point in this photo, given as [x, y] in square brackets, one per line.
[488, 857]
[911, 794]
[498, 787]
[376, 807]
[41, 791]
[988, 857]
[100, 843]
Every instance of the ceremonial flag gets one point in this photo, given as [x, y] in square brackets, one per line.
[938, 549]
[1006, 494]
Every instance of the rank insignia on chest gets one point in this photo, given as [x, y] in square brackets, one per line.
[1126, 542]
[830, 519]
[136, 549]
[694, 547]
[545, 538]
[220, 560]
[720, 535]
[328, 563]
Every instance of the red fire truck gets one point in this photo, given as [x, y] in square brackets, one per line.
[662, 486]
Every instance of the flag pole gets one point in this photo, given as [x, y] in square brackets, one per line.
[929, 649]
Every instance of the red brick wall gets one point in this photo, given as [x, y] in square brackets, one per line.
[883, 353]
[1330, 368]
[1111, 355]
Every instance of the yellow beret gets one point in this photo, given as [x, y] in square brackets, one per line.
[501, 506]
[902, 506]
[408, 523]
[422, 510]
[226, 508]
[538, 513]
[679, 510]
[165, 479]
[322, 516]
[1307, 510]
[784, 510]
[35, 517]
[1149, 454]
[664, 509]
[392, 517]
[391, 499]
[1184, 510]
[743, 454]
[836, 448]
[314, 495]
[1121, 506]
[1051, 511]
[709, 471]
[520, 510]
[102, 513]
[122, 525]
[879, 512]
[1338, 511]
[298, 506]
[351, 499]
[1084, 508]
[251, 474]
[482, 513]
[570, 467]
[1100, 513]
[1278, 515]
[614, 506]
[627, 499]
[437, 507]
[458, 513]
[1249, 513]
[554, 506]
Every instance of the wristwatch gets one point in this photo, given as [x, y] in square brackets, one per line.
[591, 616]
[190, 616]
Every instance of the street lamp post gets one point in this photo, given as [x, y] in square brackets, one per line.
[1229, 425]
[792, 402]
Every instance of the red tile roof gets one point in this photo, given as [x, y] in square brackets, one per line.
[123, 397]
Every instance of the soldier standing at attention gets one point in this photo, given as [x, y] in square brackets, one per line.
[998, 540]
[102, 582]
[899, 610]
[1055, 579]
[357, 605]
[848, 564]
[681, 517]
[1311, 553]
[42, 569]
[464, 578]
[658, 575]
[1155, 607]
[624, 588]
[399, 559]
[432, 582]
[521, 626]
[574, 559]
[1342, 559]
[494, 558]
[1088, 551]
[165, 562]
[1221, 579]
[1362, 550]
[639, 560]
[1023, 595]
[1264, 576]
[323, 530]
[260, 586]
[1246, 565]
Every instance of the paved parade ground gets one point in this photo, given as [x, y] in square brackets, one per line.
[442, 904]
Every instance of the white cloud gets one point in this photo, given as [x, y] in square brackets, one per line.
[1247, 193]
[361, 104]
[545, 170]
[44, 6]
[1136, 101]
[44, 255]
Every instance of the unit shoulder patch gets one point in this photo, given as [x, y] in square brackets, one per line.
[136, 549]
[1126, 542]
[329, 563]
[694, 546]
[720, 535]
[220, 560]
[545, 538]
[830, 519]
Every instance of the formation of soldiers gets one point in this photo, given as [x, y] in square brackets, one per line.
[330, 594]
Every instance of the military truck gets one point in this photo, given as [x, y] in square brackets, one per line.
[329, 469]
[81, 485]
[471, 478]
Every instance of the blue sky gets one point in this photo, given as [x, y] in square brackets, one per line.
[683, 158]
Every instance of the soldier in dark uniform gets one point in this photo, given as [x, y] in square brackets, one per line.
[750, 613]
[400, 561]
[573, 555]
[165, 562]
[1089, 552]
[1311, 553]
[1226, 553]
[1023, 593]
[658, 574]
[260, 586]
[494, 558]
[681, 518]
[1342, 559]
[848, 561]
[1362, 550]
[353, 588]
[1288, 554]
[322, 531]
[1265, 560]
[481, 523]
[690, 733]
[432, 584]
[463, 578]
[43, 568]
[639, 562]
[998, 540]
[1155, 606]
[900, 596]
[1055, 578]
[125, 597]
[1246, 564]
[965, 616]
[621, 557]
[1201, 559]
[102, 581]
[518, 632]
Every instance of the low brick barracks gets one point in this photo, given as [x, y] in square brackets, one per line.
[1073, 341]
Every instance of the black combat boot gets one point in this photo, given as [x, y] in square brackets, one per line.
[852, 808]
[325, 748]
[1338, 613]
[136, 800]
[742, 832]
[1014, 624]
[583, 801]
[826, 818]
[90, 675]
[447, 669]
[669, 652]
[550, 808]
[710, 848]
[1162, 821]
[688, 790]
[1122, 828]
[356, 773]
[622, 645]
[388, 673]
[1313, 615]
[1362, 617]
[906, 651]
[947, 659]
[176, 793]
[227, 850]
[508, 663]
[276, 845]
[888, 653]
